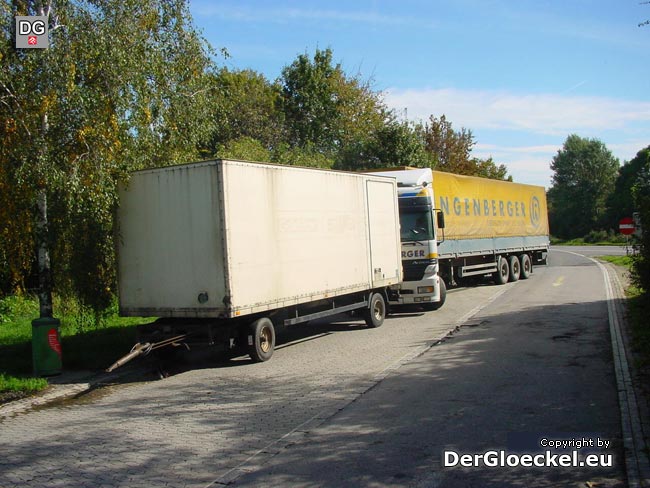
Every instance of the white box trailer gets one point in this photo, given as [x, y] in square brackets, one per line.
[246, 247]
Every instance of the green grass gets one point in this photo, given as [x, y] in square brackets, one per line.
[84, 346]
[11, 383]
[581, 242]
[625, 261]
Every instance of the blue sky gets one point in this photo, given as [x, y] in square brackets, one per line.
[521, 75]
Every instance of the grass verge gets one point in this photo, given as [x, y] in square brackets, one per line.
[83, 347]
[581, 242]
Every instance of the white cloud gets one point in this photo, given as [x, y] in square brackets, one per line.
[547, 114]
[526, 164]
[621, 124]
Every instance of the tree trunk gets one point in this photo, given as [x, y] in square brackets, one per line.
[44, 271]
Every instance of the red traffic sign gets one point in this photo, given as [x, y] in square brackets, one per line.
[626, 226]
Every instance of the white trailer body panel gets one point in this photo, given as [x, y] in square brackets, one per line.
[230, 238]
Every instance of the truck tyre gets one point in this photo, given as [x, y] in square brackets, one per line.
[443, 297]
[526, 266]
[375, 314]
[515, 268]
[503, 271]
[261, 340]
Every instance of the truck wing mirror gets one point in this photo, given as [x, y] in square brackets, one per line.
[441, 220]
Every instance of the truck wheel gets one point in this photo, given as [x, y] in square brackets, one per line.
[375, 314]
[443, 297]
[526, 266]
[515, 268]
[261, 340]
[503, 271]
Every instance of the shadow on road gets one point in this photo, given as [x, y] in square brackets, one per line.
[541, 369]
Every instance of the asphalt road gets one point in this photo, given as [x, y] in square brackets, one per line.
[342, 405]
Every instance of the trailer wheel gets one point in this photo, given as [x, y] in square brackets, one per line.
[261, 340]
[503, 271]
[526, 266]
[515, 268]
[375, 314]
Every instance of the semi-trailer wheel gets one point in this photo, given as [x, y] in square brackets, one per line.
[515, 268]
[375, 314]
[503, 271]
[526, 266]
[443, 297]
[261, 340]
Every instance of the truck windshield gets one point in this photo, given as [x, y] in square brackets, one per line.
[416, 226]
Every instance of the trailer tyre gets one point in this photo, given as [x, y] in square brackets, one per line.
[375, 314]
[261, 340]
[526, 266]
[515, 268]
[503, 271]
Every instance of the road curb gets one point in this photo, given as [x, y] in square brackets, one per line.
[636, 459]
[63, 389]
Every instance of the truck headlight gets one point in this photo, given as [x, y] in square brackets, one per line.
[425, 289]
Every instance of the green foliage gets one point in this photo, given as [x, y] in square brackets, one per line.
[12, 383]
[393, 144]
[641, 268]
[75, 118]
[487, 168]
[306, 155]
[625, 261]
[309, 100]
[84, 345]
[244, 148]
[246, 107]
[621, 202]
[16, 306]
[324, 109]
[584, 175]
[450, 149]
[603, 237]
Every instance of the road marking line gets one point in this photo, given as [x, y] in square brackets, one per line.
[559, 281]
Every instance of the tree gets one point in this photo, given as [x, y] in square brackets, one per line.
[324, 108]
[449, 149]
[393, 144]
[584, 175]
[244, 148]
[75, 118]
[487, 168]
[621, 202]
[247, 106]
[641, 265]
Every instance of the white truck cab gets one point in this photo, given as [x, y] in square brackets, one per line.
[421, 284]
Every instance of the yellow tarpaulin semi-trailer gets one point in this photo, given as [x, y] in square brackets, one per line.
[478, 208]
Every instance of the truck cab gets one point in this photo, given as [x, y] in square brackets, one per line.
[419, 239]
